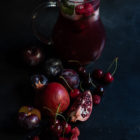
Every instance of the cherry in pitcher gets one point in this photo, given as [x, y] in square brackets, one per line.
[78, 33]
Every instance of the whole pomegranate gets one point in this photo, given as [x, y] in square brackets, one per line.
[54, 96]
[81, 108]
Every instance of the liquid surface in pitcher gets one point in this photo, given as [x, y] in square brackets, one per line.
[79, 33]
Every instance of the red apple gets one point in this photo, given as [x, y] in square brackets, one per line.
[54, 95]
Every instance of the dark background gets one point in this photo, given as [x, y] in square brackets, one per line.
[118, 116]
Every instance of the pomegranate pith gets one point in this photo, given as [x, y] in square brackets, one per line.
[82, 107]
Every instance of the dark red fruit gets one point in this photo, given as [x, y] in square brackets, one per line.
[75, 131]
[33, 56]
[29, 117]
[57, 129]
[62, 138]
[108, 78]
[97, 74]
[99, 90]
[67, 128]
[79, 9]
[74, 93]
[82, 71]
[96, 99]
[88, 9]
[39, 81]
[36, 138]
[81, 108]
[54, 95]
[74, 137]
[71, 77]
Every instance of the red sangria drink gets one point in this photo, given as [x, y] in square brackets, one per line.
[78, 33]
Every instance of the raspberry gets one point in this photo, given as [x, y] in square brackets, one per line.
[96, 99]
[88, 9]
[75, 131]
[79, 9]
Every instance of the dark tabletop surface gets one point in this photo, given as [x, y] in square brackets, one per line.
[118, 116]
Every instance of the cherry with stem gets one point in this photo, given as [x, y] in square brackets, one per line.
[74, 92]
[108, 77]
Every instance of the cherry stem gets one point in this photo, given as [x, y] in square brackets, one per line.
[66, 82]
[57, 111]
[91, 81]
[114, 61]
[48, 109]
[81, 87]
[57, 114]
[116, 66]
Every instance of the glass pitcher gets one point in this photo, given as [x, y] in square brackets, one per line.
[78, 33]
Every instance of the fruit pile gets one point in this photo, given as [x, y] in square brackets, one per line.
[64, 94]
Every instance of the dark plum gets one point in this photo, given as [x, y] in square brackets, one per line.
[39, 81]
[29, 117]
[33, 55]
[71, 77]
[31, 121]
[53, 67]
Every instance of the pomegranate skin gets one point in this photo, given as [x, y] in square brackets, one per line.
[81, 108]
[54, 95]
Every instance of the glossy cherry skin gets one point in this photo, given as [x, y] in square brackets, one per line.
[74, 93]
[99, 90]
[67, 128]
[82, 71]
[96, 99]
[33, 56]
[108, 78]
[97, 74]
[39, 81]
[57, 129]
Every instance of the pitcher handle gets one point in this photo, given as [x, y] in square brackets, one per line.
[36, 14]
